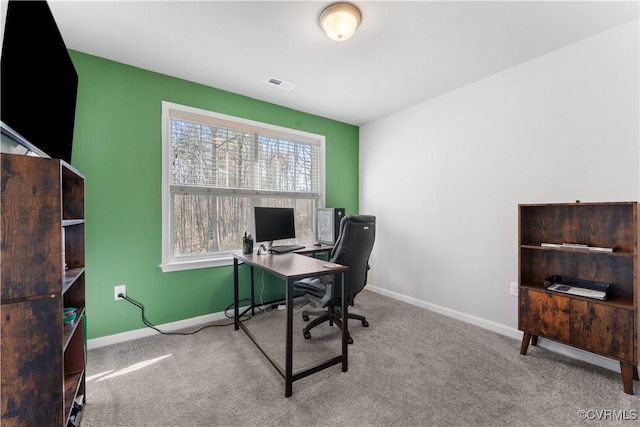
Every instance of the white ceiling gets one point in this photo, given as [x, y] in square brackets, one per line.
[402, 53]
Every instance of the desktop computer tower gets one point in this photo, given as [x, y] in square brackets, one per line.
[328, 224]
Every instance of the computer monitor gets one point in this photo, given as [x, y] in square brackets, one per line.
[274, 224]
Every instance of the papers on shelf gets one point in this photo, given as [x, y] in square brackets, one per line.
[576, 246]
[575, 290]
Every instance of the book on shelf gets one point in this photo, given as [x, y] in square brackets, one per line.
[580, 287]
[575, 290]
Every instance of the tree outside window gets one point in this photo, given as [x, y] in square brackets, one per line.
[216, 168]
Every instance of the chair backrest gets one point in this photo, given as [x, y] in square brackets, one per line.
[353, 248]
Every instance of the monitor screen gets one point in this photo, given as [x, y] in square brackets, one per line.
[274, 224]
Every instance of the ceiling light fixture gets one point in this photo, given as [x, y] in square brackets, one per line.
[340, 21]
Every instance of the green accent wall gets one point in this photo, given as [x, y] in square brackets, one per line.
[117, 146]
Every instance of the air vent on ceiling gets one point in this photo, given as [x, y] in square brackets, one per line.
[280, 83]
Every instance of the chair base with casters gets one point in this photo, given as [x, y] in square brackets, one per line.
[332, 315]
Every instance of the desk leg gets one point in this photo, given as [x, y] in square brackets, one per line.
[236, 309]
[253, 295]
[345, 324]
[288, 366]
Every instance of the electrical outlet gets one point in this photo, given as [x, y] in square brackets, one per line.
[514, 289]
[120, 289]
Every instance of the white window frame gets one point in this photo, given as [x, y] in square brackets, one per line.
[169, 261]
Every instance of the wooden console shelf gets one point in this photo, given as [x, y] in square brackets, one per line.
[605, 327]
[43, 259]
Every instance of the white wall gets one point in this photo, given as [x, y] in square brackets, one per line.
[445, 177]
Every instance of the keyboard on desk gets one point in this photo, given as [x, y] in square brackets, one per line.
[281, 249]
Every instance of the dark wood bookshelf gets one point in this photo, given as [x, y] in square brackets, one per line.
[606, 327]
[43, 259]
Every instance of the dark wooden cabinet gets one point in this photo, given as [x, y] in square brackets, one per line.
[606, 327]
[42, 223]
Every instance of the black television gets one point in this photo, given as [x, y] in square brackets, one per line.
[274, 224]
[38, 83]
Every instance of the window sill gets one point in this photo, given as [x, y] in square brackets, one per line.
[197, 264]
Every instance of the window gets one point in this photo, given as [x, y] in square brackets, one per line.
[216, 168]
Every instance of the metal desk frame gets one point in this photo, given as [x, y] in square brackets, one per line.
[290, 267]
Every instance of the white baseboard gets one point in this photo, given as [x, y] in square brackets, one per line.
[499, 328]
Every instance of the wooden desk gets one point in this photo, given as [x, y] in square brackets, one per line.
[291, 267]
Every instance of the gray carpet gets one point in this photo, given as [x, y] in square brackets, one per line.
[410, 367]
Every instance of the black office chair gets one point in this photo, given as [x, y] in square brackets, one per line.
[352, 248]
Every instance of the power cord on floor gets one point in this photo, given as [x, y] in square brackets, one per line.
[152, 326]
